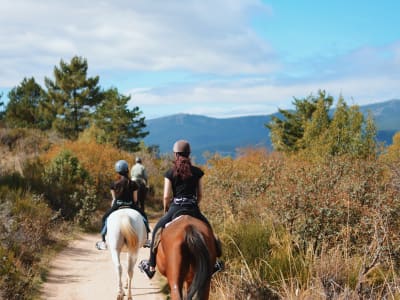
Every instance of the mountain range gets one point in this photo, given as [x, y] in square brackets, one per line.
[225, 136]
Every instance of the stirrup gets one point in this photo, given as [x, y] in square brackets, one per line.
[147, 244]
[101, 245]
[144, 267]
[219, 266]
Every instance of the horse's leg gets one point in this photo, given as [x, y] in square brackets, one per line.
[131, 263]
[174, 273]
[115, 253]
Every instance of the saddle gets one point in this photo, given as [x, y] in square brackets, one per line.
[184, 212]
[124, 206]
[176, 216]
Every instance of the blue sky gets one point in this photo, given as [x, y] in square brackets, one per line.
[217, 58]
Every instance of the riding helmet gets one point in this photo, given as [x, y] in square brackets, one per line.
[181, 146]
[121, 167]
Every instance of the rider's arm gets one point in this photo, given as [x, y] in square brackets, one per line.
[135, 196]
[112, 197]
[199, 191]
[167, 194]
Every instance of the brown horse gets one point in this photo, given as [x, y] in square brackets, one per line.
[186, 256]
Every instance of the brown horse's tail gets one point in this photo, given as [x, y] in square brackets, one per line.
[199, 251]
[129, 233]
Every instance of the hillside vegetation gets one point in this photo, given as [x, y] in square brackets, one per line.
[225, 136]
[316, 219]
[294, 229]
[50, 187]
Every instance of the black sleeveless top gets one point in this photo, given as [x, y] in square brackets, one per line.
[185, 188]
[124, 188]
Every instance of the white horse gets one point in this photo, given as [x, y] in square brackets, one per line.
[126, 231]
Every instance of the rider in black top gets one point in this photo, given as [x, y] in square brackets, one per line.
[123, 192]
[183, 181]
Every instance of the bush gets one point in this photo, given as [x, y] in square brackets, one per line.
[25, 233]
[13, 283]
[99, 159]
[66, 182]
[342, 203]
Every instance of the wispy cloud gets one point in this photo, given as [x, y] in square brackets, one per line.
[202, 36]
[363, 76]
[203, 56]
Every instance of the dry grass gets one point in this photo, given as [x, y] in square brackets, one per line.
[333, 227]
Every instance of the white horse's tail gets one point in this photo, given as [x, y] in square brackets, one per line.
[129, 233]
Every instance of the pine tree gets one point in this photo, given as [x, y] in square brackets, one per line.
[73, 96]
[25, 107]
[2, 110]
[119, 125]
[311, 131]
[315, 131]
[287, 133]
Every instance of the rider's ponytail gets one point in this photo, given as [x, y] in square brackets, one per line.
[182, 166]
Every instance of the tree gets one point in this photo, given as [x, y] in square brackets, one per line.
[2, 112]
[392, 152]
[346, 133]
[120, 126]
[315, 128]
[317, 135]
[25, 107]
[286, 133]
[73, 96]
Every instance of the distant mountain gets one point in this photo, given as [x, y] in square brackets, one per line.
[225, 136]
[387, 118]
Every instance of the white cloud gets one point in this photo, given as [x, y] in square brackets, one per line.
[200, 36]
[256, 97]
[214, 38]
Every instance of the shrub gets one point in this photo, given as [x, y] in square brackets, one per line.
[66, 180]
[25, 232]
[12, 282]
[341, 203]
[99, 159]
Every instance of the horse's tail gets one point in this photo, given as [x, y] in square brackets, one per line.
[129, 233]
[198, 248]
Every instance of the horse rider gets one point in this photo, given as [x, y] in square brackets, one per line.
[183, 182]
[139, 175]
[124, 195]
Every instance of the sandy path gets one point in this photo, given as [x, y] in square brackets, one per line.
[82, 272]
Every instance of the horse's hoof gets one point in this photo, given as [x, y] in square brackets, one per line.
[120, 296]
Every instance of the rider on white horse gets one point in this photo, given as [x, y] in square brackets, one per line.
[123, 192]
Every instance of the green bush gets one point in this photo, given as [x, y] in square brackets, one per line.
[87, 206]
[66, 184]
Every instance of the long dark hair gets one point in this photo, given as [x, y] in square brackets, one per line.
[182, 166]
[123, 184]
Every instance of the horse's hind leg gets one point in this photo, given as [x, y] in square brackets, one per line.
[117, 264]
[131, 263]
[174, 275]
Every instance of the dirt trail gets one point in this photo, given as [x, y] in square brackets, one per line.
[81, 272]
